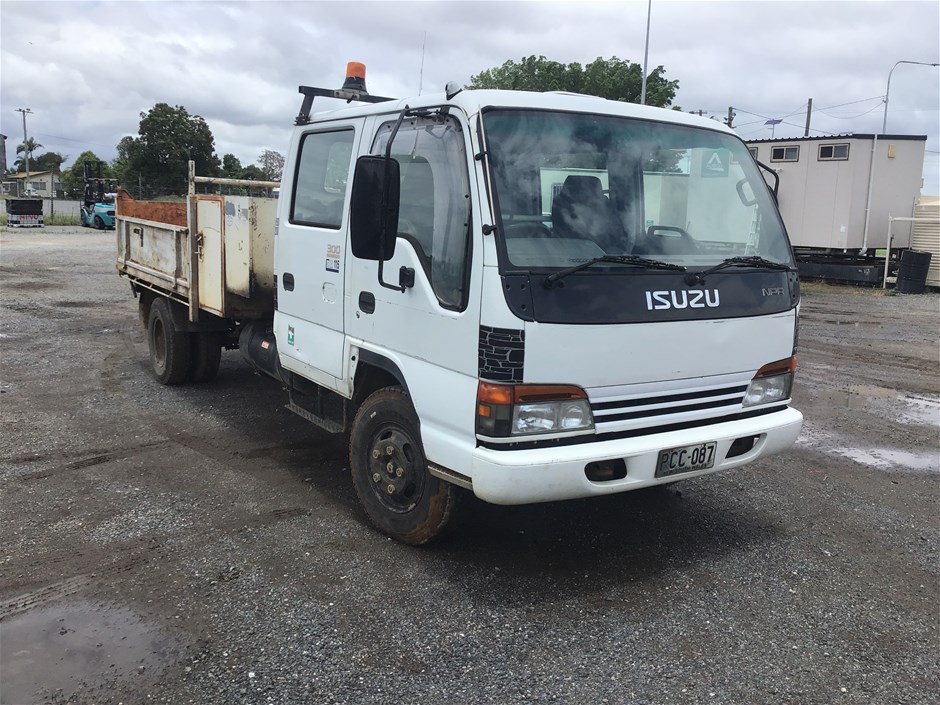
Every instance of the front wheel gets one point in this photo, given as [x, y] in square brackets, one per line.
[390, 473]
[99, 223]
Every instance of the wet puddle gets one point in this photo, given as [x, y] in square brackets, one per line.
[918, 410]
[887, 458]
[61, 647]
[880, 458]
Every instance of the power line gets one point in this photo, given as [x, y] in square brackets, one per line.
[849, 117]
[863, 100]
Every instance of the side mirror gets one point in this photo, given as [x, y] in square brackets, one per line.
[373, 210]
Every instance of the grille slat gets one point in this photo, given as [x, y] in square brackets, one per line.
[652, 411]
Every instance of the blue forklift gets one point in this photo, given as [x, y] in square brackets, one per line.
[97, 210]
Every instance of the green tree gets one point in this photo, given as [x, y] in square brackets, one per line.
[272, 164]
[613, 78]
[73, 178]
[49, 161]
[26, 149]
[253, 173]
[231, 167]
[121, 166]
[168, 137]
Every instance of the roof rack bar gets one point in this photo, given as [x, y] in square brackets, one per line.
[346, 94]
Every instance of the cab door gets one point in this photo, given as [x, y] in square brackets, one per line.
[310, 255]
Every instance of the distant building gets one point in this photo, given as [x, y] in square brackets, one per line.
[40, 184]
[825, 184]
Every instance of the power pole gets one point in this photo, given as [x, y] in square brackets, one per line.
[809, 112]
[25, 143]
[731, 116]
[646, 51]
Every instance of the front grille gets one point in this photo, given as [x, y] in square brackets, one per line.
[649, 410]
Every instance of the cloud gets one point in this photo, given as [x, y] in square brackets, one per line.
[88, 69]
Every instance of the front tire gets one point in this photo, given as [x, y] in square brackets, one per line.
[390, 472]
[169, 346]
[99, 223]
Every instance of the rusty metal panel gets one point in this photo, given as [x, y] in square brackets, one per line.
[156, 253]
[238, 245]
[211, 253]
[263, 218]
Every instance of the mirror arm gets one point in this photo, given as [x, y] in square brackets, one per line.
[388, 176]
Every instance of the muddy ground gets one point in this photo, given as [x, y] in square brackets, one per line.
[203, 545]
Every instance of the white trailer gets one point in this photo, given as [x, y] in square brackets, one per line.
[476, 326]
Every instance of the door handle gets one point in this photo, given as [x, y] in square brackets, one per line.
[367, 302]
[288, 280]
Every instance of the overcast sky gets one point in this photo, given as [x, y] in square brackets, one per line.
[88, 69]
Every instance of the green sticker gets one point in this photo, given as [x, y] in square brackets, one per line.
[290, 335]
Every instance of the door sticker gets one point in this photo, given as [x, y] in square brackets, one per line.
[290, 335]
[332, 258]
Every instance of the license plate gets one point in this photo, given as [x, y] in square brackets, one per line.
[686, 459]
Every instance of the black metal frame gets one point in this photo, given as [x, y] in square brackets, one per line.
[347, 94]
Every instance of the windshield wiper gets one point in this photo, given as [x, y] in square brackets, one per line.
[752, 261]
[550, 280]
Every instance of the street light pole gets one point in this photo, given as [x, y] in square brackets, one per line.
[25, 143]
[884, 125]
[646, 51]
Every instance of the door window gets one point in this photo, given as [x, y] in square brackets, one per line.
[322, 174]
[434, 213]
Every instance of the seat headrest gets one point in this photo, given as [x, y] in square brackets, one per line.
[582, 188]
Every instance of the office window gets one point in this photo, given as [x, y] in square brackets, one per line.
[785, 154]
[833, 152]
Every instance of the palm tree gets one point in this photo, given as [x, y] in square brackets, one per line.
[29, 146]
[26, 149]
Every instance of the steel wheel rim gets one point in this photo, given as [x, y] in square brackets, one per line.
[396, 475]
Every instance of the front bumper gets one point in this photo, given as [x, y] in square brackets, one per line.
[549, 474]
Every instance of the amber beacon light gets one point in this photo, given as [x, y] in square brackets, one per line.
[355, 77]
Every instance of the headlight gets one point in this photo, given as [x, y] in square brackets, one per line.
[549, 417]
[772, 383]
[505, 410]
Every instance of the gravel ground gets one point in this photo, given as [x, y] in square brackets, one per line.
[203, 545]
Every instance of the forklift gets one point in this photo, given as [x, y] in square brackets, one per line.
[97, 210]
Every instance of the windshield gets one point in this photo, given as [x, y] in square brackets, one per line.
[570, 187]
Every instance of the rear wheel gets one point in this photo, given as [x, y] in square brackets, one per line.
[205, 353]
[390, 472]
[169, 346]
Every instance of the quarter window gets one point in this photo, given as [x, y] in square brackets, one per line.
[833, 152]
[434, 210]
[785, 154]
[322, 174]
[753, 152]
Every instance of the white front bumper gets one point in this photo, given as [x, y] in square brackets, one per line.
[549, 474]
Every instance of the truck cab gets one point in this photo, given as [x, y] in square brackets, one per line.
[561, 296]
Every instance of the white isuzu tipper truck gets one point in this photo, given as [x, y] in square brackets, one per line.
[532, 297]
